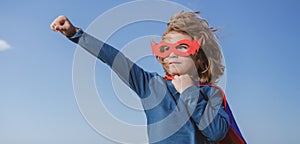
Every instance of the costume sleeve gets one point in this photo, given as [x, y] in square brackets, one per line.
[130, 73]
[205, 106]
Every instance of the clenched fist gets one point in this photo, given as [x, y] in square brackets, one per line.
[182, 82]
[63, 25]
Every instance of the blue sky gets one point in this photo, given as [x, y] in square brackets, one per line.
[259, 39]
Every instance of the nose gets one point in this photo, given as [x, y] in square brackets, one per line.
[172, 55]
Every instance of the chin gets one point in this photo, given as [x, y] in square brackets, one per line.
[174, 73]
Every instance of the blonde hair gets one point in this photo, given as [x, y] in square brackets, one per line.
[208, 59]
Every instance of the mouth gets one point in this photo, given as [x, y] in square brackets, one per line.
[170, 63]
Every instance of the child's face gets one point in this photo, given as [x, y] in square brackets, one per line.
[178, 65]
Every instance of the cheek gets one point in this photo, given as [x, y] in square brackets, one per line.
[189, 64]
[188, 61]
[192, 63]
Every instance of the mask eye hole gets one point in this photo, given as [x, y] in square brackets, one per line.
[182, 47]
[163, 48]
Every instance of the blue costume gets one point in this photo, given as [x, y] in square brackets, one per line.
[197, 116]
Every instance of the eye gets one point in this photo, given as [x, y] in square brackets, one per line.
[163, 49]
[182, 47]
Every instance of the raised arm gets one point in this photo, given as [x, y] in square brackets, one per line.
[131, 74]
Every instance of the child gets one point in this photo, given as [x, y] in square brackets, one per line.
[186, 106]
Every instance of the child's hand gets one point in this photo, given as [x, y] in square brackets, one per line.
[182, 82]
[63, 25]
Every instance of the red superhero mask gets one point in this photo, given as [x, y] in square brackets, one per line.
[181, 48]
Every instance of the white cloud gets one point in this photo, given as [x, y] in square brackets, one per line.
[4, 45]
